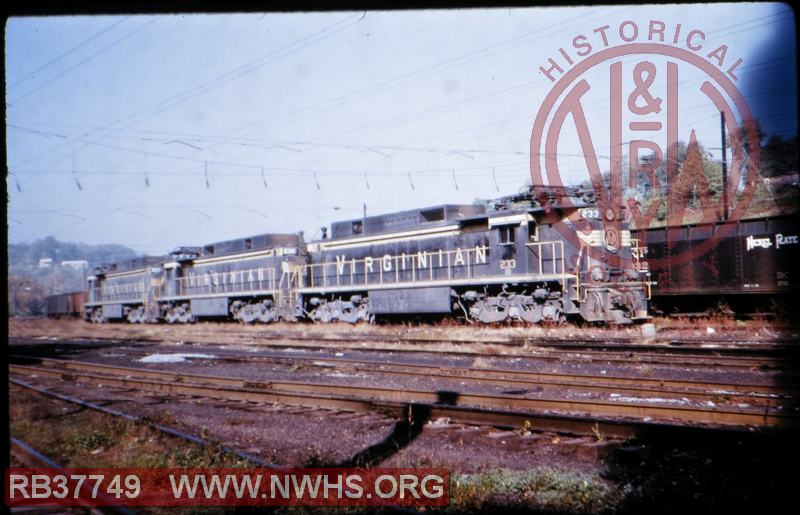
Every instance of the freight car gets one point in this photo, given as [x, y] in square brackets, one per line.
[489, 265]
[65, 305]
[749, 267]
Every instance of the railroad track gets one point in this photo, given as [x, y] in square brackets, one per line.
[161, 428]
[611, 357]
[722, 362]
[562, 415]
[698, 390]
[661, 355]
[619, 343]
[32, 457]
[741, 347]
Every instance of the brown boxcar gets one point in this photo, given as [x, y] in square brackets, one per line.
[66, 305]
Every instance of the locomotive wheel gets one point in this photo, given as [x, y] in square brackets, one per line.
[179, 314]
[532, 314]
[248, 313]
[491, 314]
[136, 315]
[97, 316]
[267, 315]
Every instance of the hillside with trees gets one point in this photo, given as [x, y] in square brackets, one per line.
[31, 280]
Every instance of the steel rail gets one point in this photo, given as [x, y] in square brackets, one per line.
[38, 458]
[361, 398]
[419, 413]
[499, 374]
[761, 395]
[142, 420]
[619, 343]
[533, 353]
[664, 355]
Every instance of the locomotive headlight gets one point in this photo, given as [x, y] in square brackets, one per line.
[597, 274]
[611, 238]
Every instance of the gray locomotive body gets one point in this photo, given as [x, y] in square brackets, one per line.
[244, 278]
[487, 266]
[508, 262]
[117, 291]
[240, 278]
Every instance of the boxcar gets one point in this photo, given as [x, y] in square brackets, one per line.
[65, 305]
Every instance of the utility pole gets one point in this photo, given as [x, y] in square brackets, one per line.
[724, 168]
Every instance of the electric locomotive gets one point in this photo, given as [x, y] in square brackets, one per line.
[492, 262]
[118, 291]
[508, 262]
[247, 279]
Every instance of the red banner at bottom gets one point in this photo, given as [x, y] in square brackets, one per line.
[227, 487]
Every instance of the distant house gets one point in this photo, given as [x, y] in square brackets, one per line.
[45, 262]
[77, 264]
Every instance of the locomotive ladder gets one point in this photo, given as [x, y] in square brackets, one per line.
[286, 294]
[150, 304]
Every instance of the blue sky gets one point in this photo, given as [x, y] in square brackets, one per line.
[164, 130]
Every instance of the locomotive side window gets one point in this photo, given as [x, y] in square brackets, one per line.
[248, 244]
[432, 215]
[358, 227]
[533, 231]
[479, 225]
[507, 234]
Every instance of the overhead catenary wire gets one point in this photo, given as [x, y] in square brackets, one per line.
[215, 82]
[116, 42]
[437, 67]
[15, 176]
[345, 172]
[738, 24]
[49, 63]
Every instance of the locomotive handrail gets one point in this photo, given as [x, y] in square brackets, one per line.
[556, 260]
[210, 283]
[119, 292]
[391, 269]
[638, 251]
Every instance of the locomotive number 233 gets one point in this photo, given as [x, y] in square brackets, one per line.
[508, 264]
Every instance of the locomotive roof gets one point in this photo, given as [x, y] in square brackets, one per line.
[127, 265]
[541, 198]
[251, 243]
[405, 220]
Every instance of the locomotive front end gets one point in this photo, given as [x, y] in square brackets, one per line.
[611, 280]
